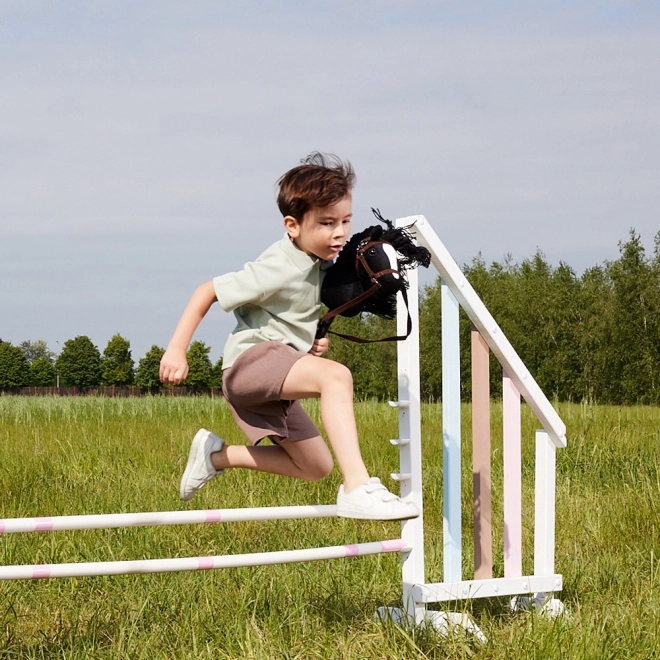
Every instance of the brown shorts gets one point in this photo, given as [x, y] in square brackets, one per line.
[252, 387]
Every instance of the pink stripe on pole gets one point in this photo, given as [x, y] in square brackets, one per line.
[44, 525]
[2, 527]
[205, 563]
[40, 572]
[213, 515]
[352, 550]
[393, 546]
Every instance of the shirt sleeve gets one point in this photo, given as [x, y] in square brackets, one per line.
[256, 282]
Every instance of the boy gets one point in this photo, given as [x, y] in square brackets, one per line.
[272, 359]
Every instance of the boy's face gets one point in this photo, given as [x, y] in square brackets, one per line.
[323, 230]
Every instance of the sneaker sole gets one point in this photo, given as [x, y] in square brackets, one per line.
[364, 515]
[198, 441]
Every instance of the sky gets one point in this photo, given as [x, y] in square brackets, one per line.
[141, 142]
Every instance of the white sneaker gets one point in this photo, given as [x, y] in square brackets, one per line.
[199, 470]
[372, 501]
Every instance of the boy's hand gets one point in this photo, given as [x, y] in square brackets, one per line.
[173, 366]
[319, 347]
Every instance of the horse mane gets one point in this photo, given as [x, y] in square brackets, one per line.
[342, 281]
[402, 241]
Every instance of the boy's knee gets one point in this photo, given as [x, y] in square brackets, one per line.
[317, 467]
[319, 470]
[341, 374]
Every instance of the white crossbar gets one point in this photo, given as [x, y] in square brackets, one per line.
[198, 563]
[151, 518]
[493, 588]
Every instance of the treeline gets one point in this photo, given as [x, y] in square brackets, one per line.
[81, 365]
[591, 337]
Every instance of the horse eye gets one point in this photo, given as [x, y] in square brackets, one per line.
[372, 252]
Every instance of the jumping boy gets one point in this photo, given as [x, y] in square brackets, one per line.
[272, 359]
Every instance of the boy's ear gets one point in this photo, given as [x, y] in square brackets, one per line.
[292, 226]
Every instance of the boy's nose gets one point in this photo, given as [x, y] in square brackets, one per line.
[340, 231]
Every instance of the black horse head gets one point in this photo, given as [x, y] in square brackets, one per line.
[371, 269]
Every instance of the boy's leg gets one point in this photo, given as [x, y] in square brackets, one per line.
[331, 381]
[359, 496]
[310, 377]
[209, 456]
[303, 459]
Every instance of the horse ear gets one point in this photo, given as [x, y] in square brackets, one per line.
[373, 233]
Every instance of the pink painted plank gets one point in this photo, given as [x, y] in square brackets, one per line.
[481, 478]
[512, 479]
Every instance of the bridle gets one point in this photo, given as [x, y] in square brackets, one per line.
[374, 277]
[363, 248]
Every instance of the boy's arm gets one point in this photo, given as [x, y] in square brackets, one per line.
[174, 365]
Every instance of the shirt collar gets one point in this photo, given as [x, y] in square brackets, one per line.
[300, 258]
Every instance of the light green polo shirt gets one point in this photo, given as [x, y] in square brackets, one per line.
[275, 298]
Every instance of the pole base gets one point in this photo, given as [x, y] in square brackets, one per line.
[544, 603]
[443, 622]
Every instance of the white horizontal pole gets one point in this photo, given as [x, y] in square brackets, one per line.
[198, 563]
[151, 518]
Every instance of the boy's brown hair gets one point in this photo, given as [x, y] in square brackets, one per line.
[320, 180]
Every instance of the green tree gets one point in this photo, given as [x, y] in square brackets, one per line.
[544, 325]
[79, 363]
[560, 373]
[14, 368]
[42, 373]
[635, 323]
[147, 372]
[538, 308]
[34, 350]
[430, 369]
[595, 343]
[199, 367]
[117, 363]
[216, 374]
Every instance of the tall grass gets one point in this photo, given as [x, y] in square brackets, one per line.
[94, 455]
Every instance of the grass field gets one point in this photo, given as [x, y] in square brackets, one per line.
[92, 455]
